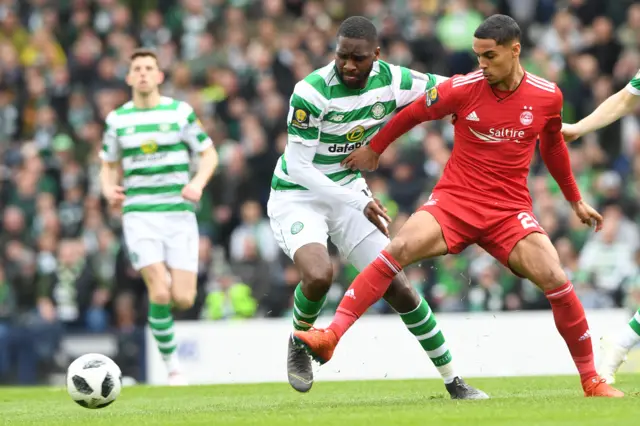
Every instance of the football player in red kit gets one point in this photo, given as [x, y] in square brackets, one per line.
[482, 198]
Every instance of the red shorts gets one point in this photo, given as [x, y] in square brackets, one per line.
[497, 230]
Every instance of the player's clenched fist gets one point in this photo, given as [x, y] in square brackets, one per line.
[114, 195]
[363, 158]
[375, 212]
[192, 192]
[587, 214]
[570, 132]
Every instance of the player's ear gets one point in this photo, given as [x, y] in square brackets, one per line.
[128, 78]
[515, 49]
[376, 53]
[160, 77]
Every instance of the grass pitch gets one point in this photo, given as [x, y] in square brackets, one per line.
[515, 401]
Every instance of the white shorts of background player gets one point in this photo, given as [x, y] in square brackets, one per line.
[171, 238]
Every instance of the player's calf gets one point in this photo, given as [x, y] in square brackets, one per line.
[535, 258]
[160, 317]
[315, 267]
[420, 320]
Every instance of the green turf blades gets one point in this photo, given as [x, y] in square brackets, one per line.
[535, 401]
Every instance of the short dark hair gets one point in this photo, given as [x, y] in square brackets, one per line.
[142, 53]
[358, 27]
[501, 28]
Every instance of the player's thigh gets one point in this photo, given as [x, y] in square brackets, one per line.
[401, 295]
[181, 241]
[144, 242]
[421, 237]
[297, 220]
[521, 244]
[368, 249]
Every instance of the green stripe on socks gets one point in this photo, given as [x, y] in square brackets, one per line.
[305, 311]
[635, 323]
[161, 325]
[630, 336]
[421, 322]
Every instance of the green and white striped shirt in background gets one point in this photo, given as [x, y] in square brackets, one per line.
[154, 146]
[634, 84]
[326, 114]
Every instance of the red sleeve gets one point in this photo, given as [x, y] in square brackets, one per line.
[436, 103]
[555, 154]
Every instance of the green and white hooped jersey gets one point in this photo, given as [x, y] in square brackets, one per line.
[154, 147]
[326, 114]
[634, 84]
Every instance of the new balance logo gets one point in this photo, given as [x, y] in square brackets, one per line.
[585, 336]
[350, 293]
[473, 116]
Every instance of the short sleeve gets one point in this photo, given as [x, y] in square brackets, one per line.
[305, 115]
[634, 85]
[110, 151]
[444, 99]
[410, 84]
[192, 132]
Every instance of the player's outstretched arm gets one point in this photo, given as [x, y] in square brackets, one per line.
[436, 103]
[555, 155]
[613, 108]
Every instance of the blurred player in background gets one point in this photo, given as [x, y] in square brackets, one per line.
[151, 138]
[333, 111]
[482, 198]
[614, 350]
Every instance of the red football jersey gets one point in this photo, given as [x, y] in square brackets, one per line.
[495, 137]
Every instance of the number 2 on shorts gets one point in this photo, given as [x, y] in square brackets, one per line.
[527, 221]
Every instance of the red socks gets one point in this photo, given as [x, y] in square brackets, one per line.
[572, 325]
[368, 287]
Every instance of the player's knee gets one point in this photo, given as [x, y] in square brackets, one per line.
[317, 280]
[398, 248]
[552, 278]
[184, 300]
[159, 295]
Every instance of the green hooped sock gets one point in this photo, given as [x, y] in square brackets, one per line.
[422, 323]
[161, 324]
[305, 311]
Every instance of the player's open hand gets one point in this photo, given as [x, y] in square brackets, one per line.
[587, 214]
[114, 195]
[570, 132]
[376, 212]
[192, 192]
[363, 158]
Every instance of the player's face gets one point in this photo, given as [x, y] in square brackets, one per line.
[144, 75]
[354, 60]
[496, 61]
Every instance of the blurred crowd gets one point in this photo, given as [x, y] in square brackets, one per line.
[63, 265]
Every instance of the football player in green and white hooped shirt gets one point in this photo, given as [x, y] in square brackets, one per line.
[333, 111]
[626, 101]
[151, 137]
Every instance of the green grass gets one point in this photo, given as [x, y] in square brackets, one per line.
[515, 401]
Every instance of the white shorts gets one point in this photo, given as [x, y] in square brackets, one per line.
[171, 238]
[299, 218]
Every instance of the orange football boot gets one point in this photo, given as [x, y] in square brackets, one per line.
[597, 386]
[319, 343]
